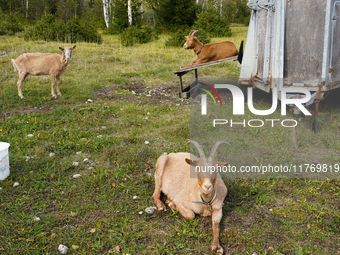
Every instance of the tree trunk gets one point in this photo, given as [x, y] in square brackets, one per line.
[149, 21]
[26, 9]
[221, 8]
[107, 8]
[129, 12]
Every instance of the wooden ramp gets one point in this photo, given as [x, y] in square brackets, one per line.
[185, 92]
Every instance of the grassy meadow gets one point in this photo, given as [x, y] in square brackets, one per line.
[135, 116]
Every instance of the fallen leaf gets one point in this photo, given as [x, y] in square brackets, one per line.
[148, 166]
[116, 163]
[113, 184]
[31, 239]
[117, 248]
[92, 230]
[75, 247]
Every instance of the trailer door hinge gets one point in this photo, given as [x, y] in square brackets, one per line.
[257, 5]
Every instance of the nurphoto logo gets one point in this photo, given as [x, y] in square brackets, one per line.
[238, 105]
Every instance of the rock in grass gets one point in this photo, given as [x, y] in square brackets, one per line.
[135, 197]
[76, 176]
[30, 135]
[75, 164]
[141, 212]
[52, 154]
[146, 142]
[79, 152]
[16, 184]
[62, 249]
[150, 210]
[36, 218]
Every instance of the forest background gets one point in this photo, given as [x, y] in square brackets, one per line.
[136, 21]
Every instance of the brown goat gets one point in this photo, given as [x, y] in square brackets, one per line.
[203, 195]
[42, 64]
[208, 52]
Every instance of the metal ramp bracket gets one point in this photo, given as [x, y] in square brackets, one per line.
[185, 92]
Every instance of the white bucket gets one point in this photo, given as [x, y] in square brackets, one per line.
[4, 160]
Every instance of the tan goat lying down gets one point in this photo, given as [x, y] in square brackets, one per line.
[42, 64]
[208, 52]
[203, 195]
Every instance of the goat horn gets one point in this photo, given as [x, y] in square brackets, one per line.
[194, 32]
[199, 148]
[214, 149]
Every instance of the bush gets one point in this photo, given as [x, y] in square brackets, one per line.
[133, 35]
[9, 24]
[212, 23]
[51, 29]
[177, 14]
[177, 39]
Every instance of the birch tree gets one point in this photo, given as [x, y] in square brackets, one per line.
[221, 8]
[26, 9]
[107, 12]
[129, 13]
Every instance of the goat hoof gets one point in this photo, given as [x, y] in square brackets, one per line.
[217, 248]
[161, 208]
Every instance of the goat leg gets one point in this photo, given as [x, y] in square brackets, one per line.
[216, 219]
[22, 77]
[185, 211]
[160, 166]
[58, 83]
[52, 86]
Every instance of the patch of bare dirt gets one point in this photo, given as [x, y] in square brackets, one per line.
[24, 110]
[155, 95]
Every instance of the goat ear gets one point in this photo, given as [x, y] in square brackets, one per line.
[74, 47]
[62, 49]
[190, 162]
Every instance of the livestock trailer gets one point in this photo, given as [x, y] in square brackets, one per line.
[293, 43]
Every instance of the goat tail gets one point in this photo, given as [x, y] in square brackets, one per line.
[16, 69]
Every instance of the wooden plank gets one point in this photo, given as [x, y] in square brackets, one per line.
[190, 68]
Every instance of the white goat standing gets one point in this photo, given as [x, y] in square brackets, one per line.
[42, 64]
[203, 195]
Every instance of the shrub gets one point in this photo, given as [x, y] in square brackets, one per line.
[174, 14]
[177, 39]
[9, 24]
[212, 23]
[133, 35]
[51, 29]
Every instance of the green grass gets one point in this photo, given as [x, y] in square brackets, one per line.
[96, 213]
